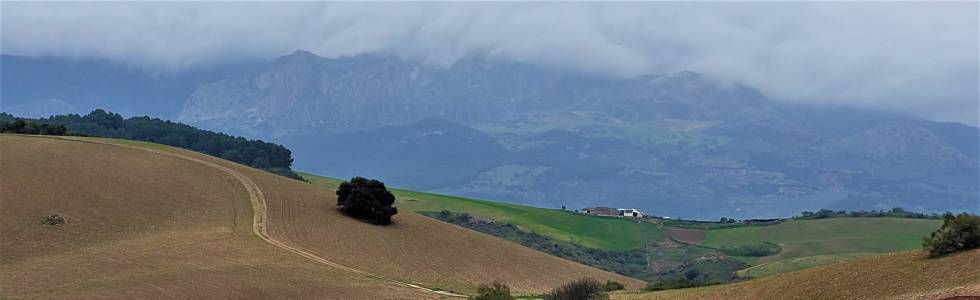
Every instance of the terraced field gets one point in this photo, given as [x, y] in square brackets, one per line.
[153, 225]
[589, 231]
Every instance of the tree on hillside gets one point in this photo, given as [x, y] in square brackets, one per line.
[581, 289]
[959, 232]
[366, 199]
[495, 291]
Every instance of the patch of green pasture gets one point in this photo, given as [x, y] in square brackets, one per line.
[800, 238]
[798, 263]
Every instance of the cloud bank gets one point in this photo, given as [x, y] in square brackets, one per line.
[915, 58]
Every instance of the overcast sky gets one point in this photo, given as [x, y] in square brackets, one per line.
[916, 58]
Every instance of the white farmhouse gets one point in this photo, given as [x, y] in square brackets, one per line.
[629, 212]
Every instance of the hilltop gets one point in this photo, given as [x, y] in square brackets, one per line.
[146, 220]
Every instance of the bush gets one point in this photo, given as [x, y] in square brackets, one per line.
[54, 220]
[366, 199]
[676, 283]
[495, 291]
[958, 233]
[582, 289]
[614, 286]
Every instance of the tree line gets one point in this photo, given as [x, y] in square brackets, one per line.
[30, 127]
[896, 212]
[100, 123]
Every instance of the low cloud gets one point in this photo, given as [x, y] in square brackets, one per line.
[915, 58]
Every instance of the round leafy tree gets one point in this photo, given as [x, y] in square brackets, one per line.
[366, 199]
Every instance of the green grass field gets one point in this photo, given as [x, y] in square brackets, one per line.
[831, 236]
[798, 263]
[585, 230]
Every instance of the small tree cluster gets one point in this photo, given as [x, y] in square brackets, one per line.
[753, 250]
[896, 212]
[30, 127]
[959, 232]
[495, 291]
[366, 199]
[581, 289]
[614, 286]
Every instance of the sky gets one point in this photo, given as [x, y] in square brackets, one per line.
[918, 58]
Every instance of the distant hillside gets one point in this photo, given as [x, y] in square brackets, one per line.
[151, 221]
[905, 275]
[683, 145]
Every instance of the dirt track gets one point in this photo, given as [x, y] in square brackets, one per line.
[259, 216]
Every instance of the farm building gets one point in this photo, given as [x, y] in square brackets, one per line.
[629, 213]
[600, 211]
[613, 212]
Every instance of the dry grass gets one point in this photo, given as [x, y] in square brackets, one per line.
[905, 275]
[147, 225]
[142, 226]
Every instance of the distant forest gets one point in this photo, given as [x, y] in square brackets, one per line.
[99, 123]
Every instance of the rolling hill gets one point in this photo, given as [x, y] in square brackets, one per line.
[146, 220]
[805, 243]
[905, 275]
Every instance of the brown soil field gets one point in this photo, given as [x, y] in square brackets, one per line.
[905, 275]
[686, 235]
[179, 224]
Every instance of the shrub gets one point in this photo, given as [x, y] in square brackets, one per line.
[581, 289]
[614, 286]
[957, 233]
[495, 291]
[54, 220]
[366, 199]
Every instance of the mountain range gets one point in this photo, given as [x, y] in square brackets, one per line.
[680, 144]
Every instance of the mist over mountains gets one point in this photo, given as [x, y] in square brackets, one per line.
[681, 144]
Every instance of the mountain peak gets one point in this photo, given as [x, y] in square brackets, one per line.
[298, 56]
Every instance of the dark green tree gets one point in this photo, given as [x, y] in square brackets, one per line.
[366, 199]
[959, 232]
[581, 289]
[495, 291]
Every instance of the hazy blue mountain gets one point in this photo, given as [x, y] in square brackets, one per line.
[680, 144]
[42, 86]
[42, 108]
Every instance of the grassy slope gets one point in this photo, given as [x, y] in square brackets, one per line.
[798, 263]
[147, 225]
[831, 236]
[900, 275]
[590, 231]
